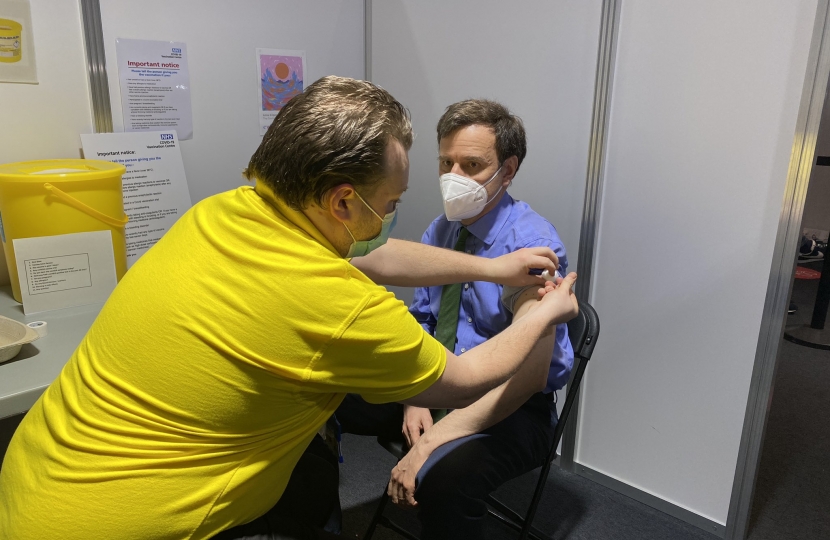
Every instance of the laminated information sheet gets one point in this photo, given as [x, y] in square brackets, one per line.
[65, 270]
[155, 86]
[154, 186]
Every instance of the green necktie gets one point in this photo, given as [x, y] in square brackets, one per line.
[447, 325]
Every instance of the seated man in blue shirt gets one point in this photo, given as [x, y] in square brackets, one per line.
[456, 462]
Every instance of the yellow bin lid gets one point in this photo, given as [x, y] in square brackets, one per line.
[60, 170]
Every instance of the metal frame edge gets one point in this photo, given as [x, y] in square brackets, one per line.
[781, 277]
[606, 62]
[367, 40]
[96, 65]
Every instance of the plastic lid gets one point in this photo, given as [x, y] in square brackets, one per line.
[56, 170]
[60, 171]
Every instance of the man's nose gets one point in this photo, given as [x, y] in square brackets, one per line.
[456, 168]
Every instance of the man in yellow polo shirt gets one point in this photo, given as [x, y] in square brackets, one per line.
[226, 346]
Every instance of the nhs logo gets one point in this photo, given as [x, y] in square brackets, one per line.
[166, 136]
[177, 51]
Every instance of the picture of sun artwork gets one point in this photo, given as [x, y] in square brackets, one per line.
[281, 79]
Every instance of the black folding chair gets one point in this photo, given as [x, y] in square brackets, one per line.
[582, 331]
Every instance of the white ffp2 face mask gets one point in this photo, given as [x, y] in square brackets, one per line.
[464, 197]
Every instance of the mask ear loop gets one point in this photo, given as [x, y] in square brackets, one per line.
[500, 187]
[354, 240]
[495, 174]
[367, 205]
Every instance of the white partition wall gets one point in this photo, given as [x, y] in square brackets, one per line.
[537, 57]
[42, 121]
[221, 39]
[702, 120]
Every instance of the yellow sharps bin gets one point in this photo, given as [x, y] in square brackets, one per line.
[11, 44]
[61, 196]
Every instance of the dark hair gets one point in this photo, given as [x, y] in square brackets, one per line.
[335, 132]
[508, 128]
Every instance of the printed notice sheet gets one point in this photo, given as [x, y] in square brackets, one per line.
[65, 270]
[281, 77]
[154, 186]
[155, 86]
[17, 45]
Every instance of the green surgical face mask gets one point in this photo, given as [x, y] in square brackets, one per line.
[359, 248]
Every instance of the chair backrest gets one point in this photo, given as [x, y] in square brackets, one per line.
[583, 331]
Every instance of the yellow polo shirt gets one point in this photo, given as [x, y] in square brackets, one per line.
[214, 362]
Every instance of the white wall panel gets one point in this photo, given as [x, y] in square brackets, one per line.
[43, 121]
[537, 57]
[222, 38]
[702, 122]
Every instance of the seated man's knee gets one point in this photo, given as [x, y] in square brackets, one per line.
[456, 475]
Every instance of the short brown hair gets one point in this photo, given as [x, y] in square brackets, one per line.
[335, 132]
[508, 128]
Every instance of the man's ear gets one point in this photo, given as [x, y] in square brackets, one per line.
[510, 166]
[340, 202]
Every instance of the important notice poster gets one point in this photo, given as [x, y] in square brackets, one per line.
[155, 86]
[155, 188]
[281, 77]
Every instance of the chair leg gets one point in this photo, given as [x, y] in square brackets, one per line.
[378, 515]
[505, 511]
[534, 503]
[513, 520]
[391, 525]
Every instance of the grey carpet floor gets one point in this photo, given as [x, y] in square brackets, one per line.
[792, 496]
[572, 507]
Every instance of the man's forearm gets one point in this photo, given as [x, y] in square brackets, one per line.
[470, 376]
[412, 264]
[500, 402]
[494, 407]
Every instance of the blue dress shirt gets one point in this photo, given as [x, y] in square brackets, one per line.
[509, 226]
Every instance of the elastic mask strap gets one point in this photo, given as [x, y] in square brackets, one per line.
[369, 207]
[495, 174]
[496, 194]
[354, 240]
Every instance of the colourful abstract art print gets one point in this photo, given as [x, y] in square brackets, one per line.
[281, 78]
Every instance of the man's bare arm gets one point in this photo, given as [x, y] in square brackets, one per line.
[469, 376]
[412, 264]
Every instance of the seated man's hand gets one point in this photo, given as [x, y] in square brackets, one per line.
[416, 420]
[559, 299]
[513, 268]
[401, 487]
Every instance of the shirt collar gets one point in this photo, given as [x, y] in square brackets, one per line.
[295, 217]
[488, 227]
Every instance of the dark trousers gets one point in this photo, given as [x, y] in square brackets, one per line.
[457, 478]
[309, 506]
